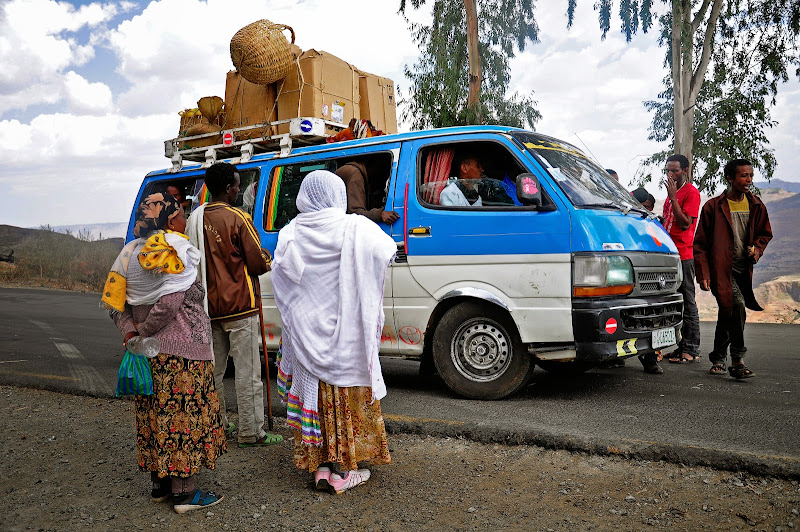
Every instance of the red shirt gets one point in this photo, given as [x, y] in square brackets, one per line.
[689, 200]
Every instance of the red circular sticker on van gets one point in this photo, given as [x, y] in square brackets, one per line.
[227, 138]
[611, 326]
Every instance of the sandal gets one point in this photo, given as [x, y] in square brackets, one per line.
[718, 369]
[684, 358]
[740, 371]
[266, 439]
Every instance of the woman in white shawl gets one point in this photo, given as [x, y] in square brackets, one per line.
[153, 291]
[328, 275]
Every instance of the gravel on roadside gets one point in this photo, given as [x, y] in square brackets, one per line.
[69, 462]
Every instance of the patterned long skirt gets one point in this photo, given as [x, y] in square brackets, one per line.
[179, 429]
[352, 430]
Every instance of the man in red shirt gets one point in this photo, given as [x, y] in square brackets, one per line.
[680, 220]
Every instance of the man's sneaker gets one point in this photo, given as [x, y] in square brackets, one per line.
[322, 477]
[351, 479]
[194, 500]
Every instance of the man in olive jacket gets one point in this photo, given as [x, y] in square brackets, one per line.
[732, 233]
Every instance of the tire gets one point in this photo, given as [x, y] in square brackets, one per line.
[563, 368]
[478, 353]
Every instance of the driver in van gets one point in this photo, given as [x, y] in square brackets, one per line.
[473, 188]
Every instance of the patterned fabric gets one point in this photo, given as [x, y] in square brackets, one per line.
[304, 420]
[178, 427]
[352, 430]
[153, 213]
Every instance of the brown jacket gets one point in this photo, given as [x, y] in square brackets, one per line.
[354, 176]
[234, 260]
[713, 248]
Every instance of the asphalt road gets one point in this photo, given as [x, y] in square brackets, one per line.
[63, 341]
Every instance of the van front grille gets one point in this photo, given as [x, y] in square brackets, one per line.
[651, 317]
[657, 282]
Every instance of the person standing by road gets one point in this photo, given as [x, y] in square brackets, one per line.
[328, 278]
[231, 263]
[680, 220]
[153, 291]
[732, 234]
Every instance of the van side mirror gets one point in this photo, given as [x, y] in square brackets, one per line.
[529, 190]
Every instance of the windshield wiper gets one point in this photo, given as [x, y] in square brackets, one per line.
[607, 205]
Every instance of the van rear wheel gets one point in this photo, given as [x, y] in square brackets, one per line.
[478, 353]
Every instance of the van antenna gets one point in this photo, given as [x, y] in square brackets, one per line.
[587, 148]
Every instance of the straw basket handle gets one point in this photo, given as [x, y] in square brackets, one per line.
[285, 27]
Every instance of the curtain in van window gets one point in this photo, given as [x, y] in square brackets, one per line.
[437, 171]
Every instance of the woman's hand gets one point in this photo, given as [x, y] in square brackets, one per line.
[128, 336]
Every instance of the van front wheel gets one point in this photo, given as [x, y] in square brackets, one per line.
[478, 353]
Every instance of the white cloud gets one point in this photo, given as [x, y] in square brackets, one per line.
[85, 97]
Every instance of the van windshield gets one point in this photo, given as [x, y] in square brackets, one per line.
[584, 182]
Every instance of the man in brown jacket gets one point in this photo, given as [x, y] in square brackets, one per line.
[732, 233]
[232, 261]
[355, 179]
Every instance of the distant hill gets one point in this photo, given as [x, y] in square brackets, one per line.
[11, 237]
[95, 231]
[789, 186]
[781, 257]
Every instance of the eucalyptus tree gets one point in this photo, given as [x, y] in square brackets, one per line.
[726, 60]
[462, 73]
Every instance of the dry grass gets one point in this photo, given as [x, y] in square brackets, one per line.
[51, 259]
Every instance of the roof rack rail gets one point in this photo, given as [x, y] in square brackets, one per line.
[303, 131]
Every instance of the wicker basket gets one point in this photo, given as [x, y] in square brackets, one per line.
[260, 52]
[210, 107]
[199, 129]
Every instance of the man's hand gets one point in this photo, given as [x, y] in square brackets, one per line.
[389, 217]
[754, 252]
[705, 284]
[672, 188]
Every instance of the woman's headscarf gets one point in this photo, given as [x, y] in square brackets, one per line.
[328, 275]
[160, 251]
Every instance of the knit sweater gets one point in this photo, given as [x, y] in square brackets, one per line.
[177, 320]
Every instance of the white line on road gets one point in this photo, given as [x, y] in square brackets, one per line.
[10, 361]
[79, 368]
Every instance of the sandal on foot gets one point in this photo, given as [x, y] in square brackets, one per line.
[683, 358]
[230, 431]
[718, 369]
[266, 439]
[194, 500]
[740, 371]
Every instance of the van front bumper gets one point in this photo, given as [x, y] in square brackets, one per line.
[620, 328]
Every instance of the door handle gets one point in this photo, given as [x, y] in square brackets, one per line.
[419, 231]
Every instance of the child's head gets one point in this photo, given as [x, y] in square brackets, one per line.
[732, 168]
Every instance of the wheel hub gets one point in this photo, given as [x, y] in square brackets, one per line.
[481, 350]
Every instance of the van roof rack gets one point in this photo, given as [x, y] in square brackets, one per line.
[303, 131]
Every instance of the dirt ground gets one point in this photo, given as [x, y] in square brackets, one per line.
[69, 463]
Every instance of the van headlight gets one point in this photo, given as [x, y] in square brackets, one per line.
[601, 275]
[680, 275]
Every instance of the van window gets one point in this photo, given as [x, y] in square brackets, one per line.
[284, 184]
[468, 175]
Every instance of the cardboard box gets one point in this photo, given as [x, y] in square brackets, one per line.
[377, 102]
[247, 104]
[319, 85]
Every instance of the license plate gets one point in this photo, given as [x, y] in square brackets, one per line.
[663, 337]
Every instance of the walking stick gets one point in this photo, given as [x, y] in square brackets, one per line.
[266, 364]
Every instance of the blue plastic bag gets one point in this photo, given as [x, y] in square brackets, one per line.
[134, 376]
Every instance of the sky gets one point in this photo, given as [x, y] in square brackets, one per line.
[89, 91]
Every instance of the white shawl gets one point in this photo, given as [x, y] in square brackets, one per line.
[195, 232]
[328, 276]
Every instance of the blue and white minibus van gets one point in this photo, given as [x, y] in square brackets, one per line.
[577, 277]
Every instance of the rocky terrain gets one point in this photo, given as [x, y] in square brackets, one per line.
[69, 463]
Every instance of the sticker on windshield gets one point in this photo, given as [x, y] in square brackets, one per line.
[613, 246]
[556, 173]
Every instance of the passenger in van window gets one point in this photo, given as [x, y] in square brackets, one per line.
[179, 194]
[249, 198]
[356, 181]
[472, 187]
[232, 260]
[328, 278]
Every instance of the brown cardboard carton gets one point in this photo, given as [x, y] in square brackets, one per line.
[319, 85]
[377, 102]
[248, 104]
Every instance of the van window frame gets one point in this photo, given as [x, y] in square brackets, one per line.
[547, 202]
[311, 159]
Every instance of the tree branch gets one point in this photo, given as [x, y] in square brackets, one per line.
[708, 39]
[701, 13]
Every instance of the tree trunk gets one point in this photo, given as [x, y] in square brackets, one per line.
[682, 54]
[475, 74]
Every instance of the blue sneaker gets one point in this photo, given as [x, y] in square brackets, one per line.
[194, 500]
